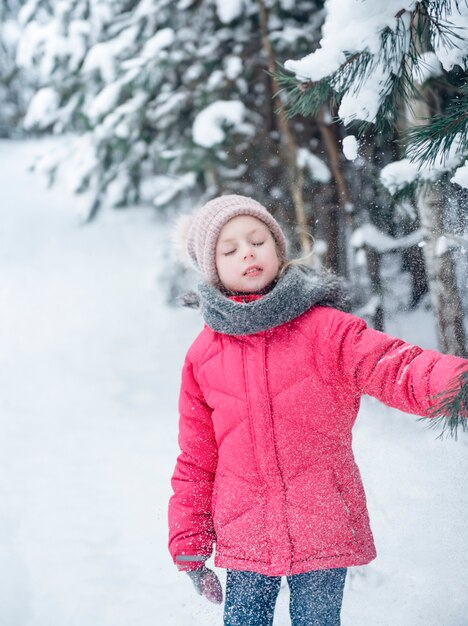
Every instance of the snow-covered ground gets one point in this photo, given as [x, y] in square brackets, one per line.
[90, 359]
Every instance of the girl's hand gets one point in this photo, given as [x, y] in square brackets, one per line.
[207, 584]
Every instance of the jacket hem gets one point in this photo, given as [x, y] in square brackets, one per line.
[298, 567]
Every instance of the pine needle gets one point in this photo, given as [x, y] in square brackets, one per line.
[434, 140]
[451, 409]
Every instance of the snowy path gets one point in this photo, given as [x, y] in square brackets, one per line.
[89, 371]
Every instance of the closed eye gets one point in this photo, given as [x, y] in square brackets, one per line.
[258, 243]
[228, 253]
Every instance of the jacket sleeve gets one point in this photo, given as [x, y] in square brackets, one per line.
[191, 533]
[399, 374]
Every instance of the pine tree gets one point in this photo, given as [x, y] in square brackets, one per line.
[389, 74]
[169, 99]
[13, 87]
[144, 86]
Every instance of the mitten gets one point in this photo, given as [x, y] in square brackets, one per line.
[207, 584]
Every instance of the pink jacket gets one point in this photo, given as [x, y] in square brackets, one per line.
[266, 468]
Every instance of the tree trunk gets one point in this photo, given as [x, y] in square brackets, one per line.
[413, 262]
[343, 227]
[339, 238]
[440, 265]
[440, 268]
[295, 176]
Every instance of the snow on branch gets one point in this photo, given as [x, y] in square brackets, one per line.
[399, 174]
[370, 53]
[316, 168]
[207, 128]
[351, 26]
[450, 240]
[369, 235]
[229, 10]
[43, 109]
[461, 176]
[166, 188]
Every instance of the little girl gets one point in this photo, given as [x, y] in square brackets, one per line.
[270, 392]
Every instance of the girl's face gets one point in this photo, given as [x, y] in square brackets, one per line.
[246, 256]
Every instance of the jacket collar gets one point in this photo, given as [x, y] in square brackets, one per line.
[245, 298]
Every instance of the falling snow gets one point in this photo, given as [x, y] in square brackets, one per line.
[90, 364]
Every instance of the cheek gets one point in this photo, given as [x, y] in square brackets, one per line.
[273, 257]
[222, 265]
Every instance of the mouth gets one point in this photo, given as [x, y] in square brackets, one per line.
[253, 270]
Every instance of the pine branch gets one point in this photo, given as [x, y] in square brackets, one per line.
[441, 8]
[451, 409]
[400, 49]
[405, 193]
[435, 140]
[439, 24]
[401, 90]
[353, 73]
[304, 98]
[307, 98]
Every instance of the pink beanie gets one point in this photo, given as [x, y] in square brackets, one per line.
[207, 222]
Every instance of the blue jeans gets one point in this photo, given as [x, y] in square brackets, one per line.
[315, 598]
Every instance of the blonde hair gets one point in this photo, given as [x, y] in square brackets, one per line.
[306, 260]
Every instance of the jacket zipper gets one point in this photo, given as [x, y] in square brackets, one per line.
[270, 412]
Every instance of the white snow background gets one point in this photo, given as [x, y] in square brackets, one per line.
[90, 359]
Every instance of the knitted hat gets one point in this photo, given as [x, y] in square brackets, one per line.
[204, 227]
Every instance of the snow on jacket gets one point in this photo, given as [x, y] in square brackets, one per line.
[266, 469]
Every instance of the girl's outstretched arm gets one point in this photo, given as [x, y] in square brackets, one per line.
[191, 534]
[399, 374]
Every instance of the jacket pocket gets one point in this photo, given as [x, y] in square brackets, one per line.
[345, 506]
[319, 516]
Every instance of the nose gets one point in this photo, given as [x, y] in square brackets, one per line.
[248, 251]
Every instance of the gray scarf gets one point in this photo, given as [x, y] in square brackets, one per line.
[296, 291]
